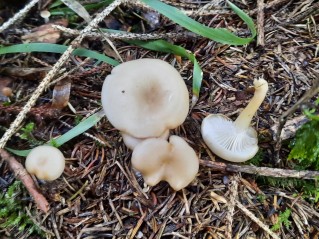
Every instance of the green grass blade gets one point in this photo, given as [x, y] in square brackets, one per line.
[164, 46]
[56, 48]
[247, 19]
[218, 34]
[77, 130]
[22, 153]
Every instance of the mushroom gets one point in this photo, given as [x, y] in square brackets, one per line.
[45, 14]
[174, 161]
[131, 141]
[145, 98]
[235, 141]
[45, 162]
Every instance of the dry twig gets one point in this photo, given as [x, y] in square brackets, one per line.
[233, 193]
[263, 171]
[18, 16]
[256, 220]
[127, 35]
[260, 23]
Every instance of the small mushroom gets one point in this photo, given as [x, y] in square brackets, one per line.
[45, 162]
[45, 14]
[145, 98]
[174, 161]
[131, 141]
[235, 141]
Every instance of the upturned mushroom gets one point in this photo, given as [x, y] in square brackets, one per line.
[45, 162]
[174, 161]
[235, 141]
[145, 98]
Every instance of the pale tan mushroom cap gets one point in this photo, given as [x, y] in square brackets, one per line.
[227, 141]
[131, 141]
[174, 161]
[145, 97]
[45, 162]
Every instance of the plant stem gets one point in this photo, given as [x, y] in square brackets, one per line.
[245, 117]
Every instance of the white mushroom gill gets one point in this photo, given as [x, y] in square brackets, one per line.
[235, 141]
[227, 141]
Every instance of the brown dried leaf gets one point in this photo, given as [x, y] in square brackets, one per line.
[61, 95]
[45, 33]
[217, 197]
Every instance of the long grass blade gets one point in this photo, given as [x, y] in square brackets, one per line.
[56, 48]
[77, 130]
[218, 34]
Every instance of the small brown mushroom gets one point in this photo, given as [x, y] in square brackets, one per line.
[45, 162]
[174, 161]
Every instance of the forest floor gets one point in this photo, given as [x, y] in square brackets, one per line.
[99, 194]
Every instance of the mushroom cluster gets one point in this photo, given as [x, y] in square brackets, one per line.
[235, 141]
[144, 99]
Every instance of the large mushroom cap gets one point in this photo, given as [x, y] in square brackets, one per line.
[145, 97]
[174, 161]
[46, 162]
[228, 141]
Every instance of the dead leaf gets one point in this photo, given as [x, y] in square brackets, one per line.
[45, 33]
[61, 95]
[217, 197]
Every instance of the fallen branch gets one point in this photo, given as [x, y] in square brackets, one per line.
[263, 171]
[26, 179]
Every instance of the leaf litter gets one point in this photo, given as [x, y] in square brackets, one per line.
[100, 196]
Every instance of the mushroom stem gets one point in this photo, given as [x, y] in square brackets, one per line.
[245, 117]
